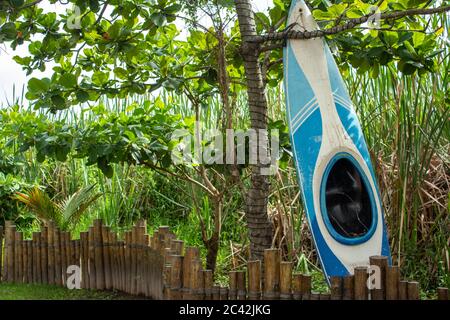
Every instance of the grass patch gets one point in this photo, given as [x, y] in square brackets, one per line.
[46, 292]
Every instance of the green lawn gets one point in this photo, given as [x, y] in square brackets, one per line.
[45, 292]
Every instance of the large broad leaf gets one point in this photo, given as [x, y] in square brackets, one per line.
[68, 80]
[38, 86]
[158, 19]
[8, 31]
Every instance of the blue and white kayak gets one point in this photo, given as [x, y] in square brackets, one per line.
[337, 181]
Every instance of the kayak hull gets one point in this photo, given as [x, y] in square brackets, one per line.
[336, 177]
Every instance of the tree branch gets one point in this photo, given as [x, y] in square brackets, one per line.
[350, 24]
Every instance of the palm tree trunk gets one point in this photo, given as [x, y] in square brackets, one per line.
[260, 228]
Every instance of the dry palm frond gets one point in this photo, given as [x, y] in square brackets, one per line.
[39, 203]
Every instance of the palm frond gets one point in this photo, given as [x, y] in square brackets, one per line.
[39, 203]
[76, 204]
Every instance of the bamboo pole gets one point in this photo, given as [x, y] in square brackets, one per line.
[167, 273]
[29, 263]
[195, 282]
[25, 262]
[91, 262]
[35, 257]
[177, 247]
[68, 251]
[176, 265]
[336, 286]
[99, 264]
[84, 260]
[39, 258]
[200, 287]
[176, 277]
[208, 283]
[361, 290]
[442, 293]
[296, 286]
[51, 253]
[141, 239]
[44, 254]
[272, 274]
[325, 296]
[306, 285]
[223, 293]
[314, 295]
[77, 244]
[18, 270]
[254, 280]
[10, 239]
[57, 246]
[241, 286]
[216, 293]
[63, 254]
[107, 256]
[133, 248]
[392, 282]
[121, 247]
[286, 280]
[189, 256]
[349, 288]
[155, 241]
[147, 275]
[403, 290]
[232, 293]
[382, 263]
[413, 290]
[128, 266]
[113, 258]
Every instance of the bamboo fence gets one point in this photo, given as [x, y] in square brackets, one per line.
[161, 267]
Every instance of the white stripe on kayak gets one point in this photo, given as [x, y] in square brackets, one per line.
[305, 112]
[344, 102]
[305, 117]
[303, 109]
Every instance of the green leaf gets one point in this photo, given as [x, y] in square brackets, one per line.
[37, 86]
[94, 5]
[40, 156]
[68, 80]
[322, 15]
[58, 101]
[158, 19]
[121, 73]
[418, 38]
[82, 96]
[8, 31]
[61, 153]
[105, 167]
[16, 3]
[100, 78]
[406, 67]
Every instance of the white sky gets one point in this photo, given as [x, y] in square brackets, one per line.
[11, 73]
